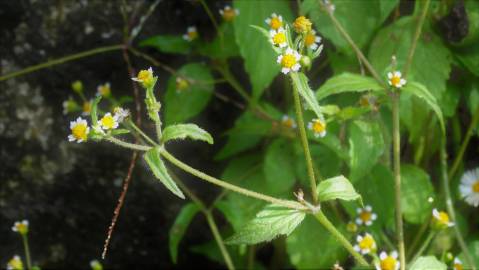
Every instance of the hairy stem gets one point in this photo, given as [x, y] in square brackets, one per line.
[340, 237]
[139, 131]
[27, 251]
[128, 145]
[61, 61]
[219, 240]
[304, 142]
[416, 37]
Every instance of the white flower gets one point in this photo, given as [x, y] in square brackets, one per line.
[366, 244]
[289, 61]
[15, 263]
[288, 122]
[79, 129]
[388, 262]
[121, 114]
[457, 265]
[275, 21]
[278, 37]
[395, 79]
[20, 226]
[108, 122]
[311, 40]
[318, 126]
[103, 90]
[191, 33]
[228, 13]
[441, 218]
[365, 216]
[469, 187]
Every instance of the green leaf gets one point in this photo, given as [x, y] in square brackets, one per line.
[271, 222]
[311, 246]
[119, 131]
[347, 82]
[183, 131]
[257, 52]
[168, 44]
[182, 221]
[94, 110]
[301, 82]
[473, 248]
[152, 158]
[416, 189]
[278, 166]
[421, 92]
[366, 145]
[337, 188]
[428, 263]
[218, 48]
[184, 104]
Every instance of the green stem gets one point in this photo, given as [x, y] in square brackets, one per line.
[304, 142]
[27, 251]
[60, 61]
[465, 143]
[450, 205]
[397, 179]
[139, 131]
[418, 237]
[218, 182]
[416, 37]
[212, 19]
[133, 146]
[219, 240]
[340, 237]
[424, 245]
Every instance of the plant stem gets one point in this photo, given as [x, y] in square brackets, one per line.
[128, 145]
[416, 37]
[219, 240]
[397, 179]
[304, 142]
[424, 245]
[60, 61]
[450, 205]
[218, 182]
[212, 18]
[418, 236]
[27, 251]
[340, 237]
[139, 131]
[465, 143]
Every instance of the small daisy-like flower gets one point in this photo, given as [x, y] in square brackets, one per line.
[275, 21]
[288, 122]
[21, 227]
[229, 13]
[191, 33]
[457, 265]
[278, 37]
[366, 244]
[70, 105]
[104, 90]
[289, 61]
[15, 263]
[365, 216]
[318, 126]
[79, 129]
[145, 77]
[441, 219]
[311, 40]
[395, 79]
[388, 262]
[352, 227]
[108, 121]
[181, 84]
[77, 86]
[302, 25]
[86, 108]
[96, 265]
[469, 187]
[120, 114]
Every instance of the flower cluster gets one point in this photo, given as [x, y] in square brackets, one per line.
[71, 105]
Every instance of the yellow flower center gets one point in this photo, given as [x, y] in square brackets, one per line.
[309, 39]
[86, 107]
[389, 263]
[104, 90]
[15, 264]
[351, 227]
[302, 24]
[395, 80]
[318, 127]
[145, 76]
[458, 266]
[443, 217]
[22, 228]
[192, 35]
[364, 101]
[288, 61]
[107, 122]
[288, 123]
[366, 243]
[79, 131]
[181, 84]
[365, 216]
[229, 14]
[279, 38]
[275, 23]
[475, 186]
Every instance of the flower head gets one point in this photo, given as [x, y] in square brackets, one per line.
[86, 108]
[368, 101]
[77, 86]
[352, 227]
[278, 37]
[70, 105]
[365, 216]
[318, 126]
[79, 129]
[96, 265]
[275, 21]
[288, 122]
[395, 79]
[302, 25]
[365, 244]
[469, 187]
[441, 219]
[21, 227]
[108, 122]
[289, 61]
[181, 84]
[145, 77]
[311, 40]
[229, 13]
[120, 114]
[191, 33]
[104, 90]
[457, 264]
[15, 263]
[388, 262]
